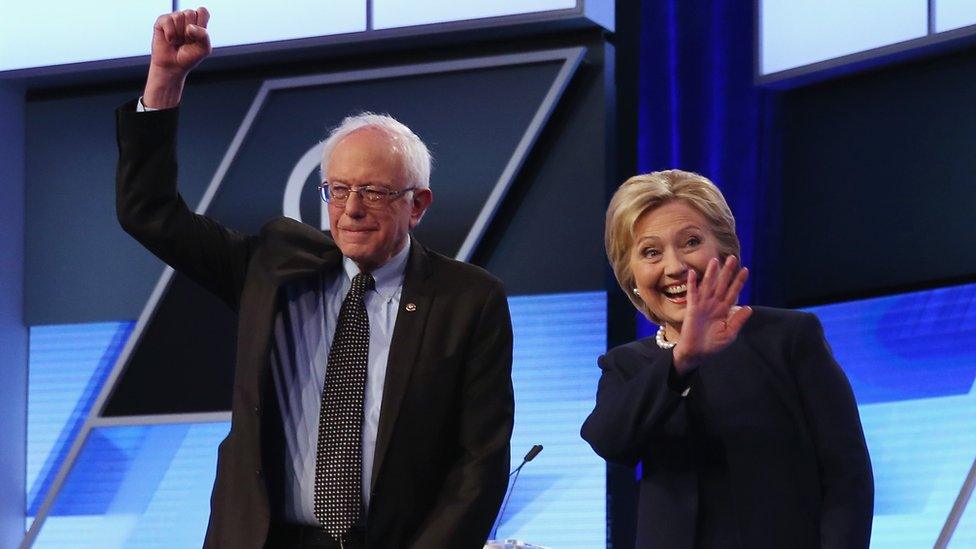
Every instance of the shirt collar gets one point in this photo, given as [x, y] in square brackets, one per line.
[388, 276]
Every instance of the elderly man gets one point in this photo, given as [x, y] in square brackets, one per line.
[372, 402]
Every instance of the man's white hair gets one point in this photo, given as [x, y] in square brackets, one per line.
[414, 153]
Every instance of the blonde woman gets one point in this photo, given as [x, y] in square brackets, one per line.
[746, 427]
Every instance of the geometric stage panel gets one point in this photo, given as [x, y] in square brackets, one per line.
[67, 366]
[145, 486]
[911, 359]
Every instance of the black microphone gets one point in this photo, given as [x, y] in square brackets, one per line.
[511, 486]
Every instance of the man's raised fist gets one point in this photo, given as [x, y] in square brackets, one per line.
[180, 40]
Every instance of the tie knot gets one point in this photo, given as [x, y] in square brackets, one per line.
[362, 283]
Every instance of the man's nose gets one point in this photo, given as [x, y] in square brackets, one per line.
[355, 206]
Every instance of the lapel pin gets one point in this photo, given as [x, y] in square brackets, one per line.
[411, 307]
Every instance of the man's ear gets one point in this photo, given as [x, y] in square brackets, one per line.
[422, 199]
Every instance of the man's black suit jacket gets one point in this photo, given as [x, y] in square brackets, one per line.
[766, 449]
[442, 447]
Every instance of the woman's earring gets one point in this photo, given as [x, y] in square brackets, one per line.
[636, 292]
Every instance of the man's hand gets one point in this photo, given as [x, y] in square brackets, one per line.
[180, 42]
[712, 320]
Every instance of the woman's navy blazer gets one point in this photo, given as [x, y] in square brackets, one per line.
[765, 450]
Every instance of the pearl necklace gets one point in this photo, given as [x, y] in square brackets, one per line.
[661, 342]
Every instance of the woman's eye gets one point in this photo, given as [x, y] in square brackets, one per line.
[651, 252]
[693, 241]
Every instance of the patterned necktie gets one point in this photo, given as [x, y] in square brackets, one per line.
[338, 463]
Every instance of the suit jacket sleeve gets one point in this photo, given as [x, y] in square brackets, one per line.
[473, 489]
[634, 398]
[151, 210]
[847, 483]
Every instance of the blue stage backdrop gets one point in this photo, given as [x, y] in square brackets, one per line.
[149, 485]
[911, 360]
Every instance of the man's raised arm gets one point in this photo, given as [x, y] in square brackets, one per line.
[148, 205]
[180, 42]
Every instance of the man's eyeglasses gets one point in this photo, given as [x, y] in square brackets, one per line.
[371, 195]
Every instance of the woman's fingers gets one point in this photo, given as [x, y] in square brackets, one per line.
[706, 288]
[732, 294]
[737, 319]
[692, 294]
[725, 276]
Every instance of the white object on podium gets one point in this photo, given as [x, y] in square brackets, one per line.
[510, 544]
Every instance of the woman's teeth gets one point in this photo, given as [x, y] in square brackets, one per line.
[674, 290]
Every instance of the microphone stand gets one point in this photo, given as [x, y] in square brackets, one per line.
[511, 486]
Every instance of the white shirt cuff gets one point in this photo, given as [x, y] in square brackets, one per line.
[141, 107]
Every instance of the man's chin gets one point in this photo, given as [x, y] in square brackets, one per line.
[352, 249]
[360, 255]
[366, 253]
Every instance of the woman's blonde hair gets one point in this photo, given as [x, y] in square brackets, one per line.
[643, 193]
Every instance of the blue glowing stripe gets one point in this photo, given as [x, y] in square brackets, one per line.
[559, 500]
[916, 345]
[142, 486]
[911, 359]
[67, 366]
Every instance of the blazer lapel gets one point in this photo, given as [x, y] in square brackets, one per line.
[408, 334]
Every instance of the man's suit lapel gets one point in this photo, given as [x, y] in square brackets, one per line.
[415, 300]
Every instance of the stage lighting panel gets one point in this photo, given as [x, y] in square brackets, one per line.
[954, 14]
[58, 32]
[795, 33]
[238, 22]
[403, 13]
